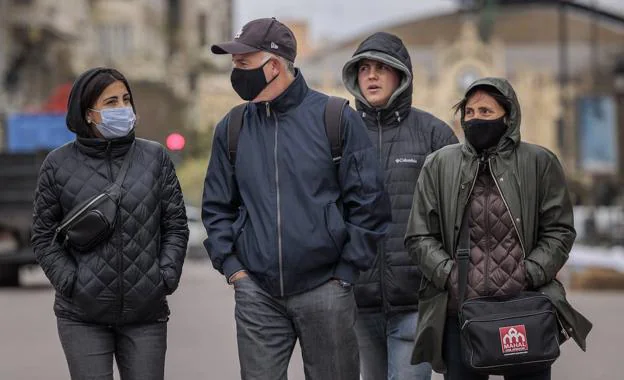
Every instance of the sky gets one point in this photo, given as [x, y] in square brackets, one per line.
[340, 19]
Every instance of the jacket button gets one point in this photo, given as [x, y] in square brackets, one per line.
[501, 179]
[463, 187]
[517, 220]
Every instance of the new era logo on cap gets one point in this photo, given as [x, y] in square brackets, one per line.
[265, 34]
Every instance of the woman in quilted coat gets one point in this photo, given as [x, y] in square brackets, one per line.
[111, 299]
[520, 220]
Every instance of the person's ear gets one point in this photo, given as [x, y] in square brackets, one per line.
[276, 66]
[89, 117]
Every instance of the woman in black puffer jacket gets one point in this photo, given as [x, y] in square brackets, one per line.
[111, 299]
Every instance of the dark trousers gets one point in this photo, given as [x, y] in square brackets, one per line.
[139, 350]
[322, 319]
[456, 370]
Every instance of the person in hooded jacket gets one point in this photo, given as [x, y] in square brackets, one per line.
[111, 299]
[519, 217]
[379, 75]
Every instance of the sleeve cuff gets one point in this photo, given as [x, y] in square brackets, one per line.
[346, 272]
[442, 273]
[535, 274]
[231, 265]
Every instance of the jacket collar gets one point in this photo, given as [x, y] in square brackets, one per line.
[99, 148]
[386, 118]
[290, 98]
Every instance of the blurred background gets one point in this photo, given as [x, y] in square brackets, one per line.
[564, 58]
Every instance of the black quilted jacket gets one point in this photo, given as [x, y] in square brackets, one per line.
[126, 279]
[403, 136]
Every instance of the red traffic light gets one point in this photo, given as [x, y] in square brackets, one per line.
[175, 141]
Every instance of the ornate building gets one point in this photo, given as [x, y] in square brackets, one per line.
[556, 53]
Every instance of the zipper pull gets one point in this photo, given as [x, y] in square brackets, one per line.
[56, 232]
[268, 109]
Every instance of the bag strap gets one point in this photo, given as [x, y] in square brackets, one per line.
[463, 256]
[124, 167]
[235, 124]
[333, 125]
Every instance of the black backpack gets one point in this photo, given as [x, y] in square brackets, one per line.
[333, 127]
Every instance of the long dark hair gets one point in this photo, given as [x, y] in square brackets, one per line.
[501, 99]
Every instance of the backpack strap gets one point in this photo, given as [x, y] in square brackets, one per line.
[235, 123]
[333, 125]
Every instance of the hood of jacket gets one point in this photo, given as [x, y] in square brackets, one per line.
[389, 49]
[511, 138]
[76, 111]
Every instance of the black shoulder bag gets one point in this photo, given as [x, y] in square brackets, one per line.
[93, 221]
[504, 335]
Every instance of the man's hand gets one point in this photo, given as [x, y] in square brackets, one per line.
[237, 276]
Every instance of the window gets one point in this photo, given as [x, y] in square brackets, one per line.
[116, 40]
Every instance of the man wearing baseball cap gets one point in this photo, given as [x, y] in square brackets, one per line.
[288, 225]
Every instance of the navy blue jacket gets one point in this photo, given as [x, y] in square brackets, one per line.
[286, 214]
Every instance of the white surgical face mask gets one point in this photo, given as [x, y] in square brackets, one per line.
[116, 122]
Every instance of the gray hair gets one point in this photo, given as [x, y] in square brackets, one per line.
[290, 66]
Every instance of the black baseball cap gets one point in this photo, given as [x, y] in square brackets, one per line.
[263, 34]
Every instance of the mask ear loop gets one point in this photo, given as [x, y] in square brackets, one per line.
[88, 119]
[264, 64]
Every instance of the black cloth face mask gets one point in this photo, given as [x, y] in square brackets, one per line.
[484, 134]
[248, 84]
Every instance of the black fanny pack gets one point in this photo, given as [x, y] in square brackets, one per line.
[508, 335]
[93, 221]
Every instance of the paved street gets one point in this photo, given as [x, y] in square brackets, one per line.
[202, 337]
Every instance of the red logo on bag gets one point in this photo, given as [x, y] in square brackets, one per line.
[514, 340]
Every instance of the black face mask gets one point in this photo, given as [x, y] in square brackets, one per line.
[484, 134]
[249, 83]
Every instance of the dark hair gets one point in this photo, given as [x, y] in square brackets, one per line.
[97, 85]
[501, 99]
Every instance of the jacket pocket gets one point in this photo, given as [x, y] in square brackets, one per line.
[90, 295]
[335, 224]
[239, 226]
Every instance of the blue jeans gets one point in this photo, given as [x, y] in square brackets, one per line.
[268, 327]
[139, 350]
[386, 344]
[457, 370]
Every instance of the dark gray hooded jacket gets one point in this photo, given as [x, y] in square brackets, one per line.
[403, 136]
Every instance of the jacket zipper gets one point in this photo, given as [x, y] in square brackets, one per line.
[465, 208]
[487, 241]
[59, 228]
[513, 222]
[119, 253]
[280, 252]
[380, 249]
